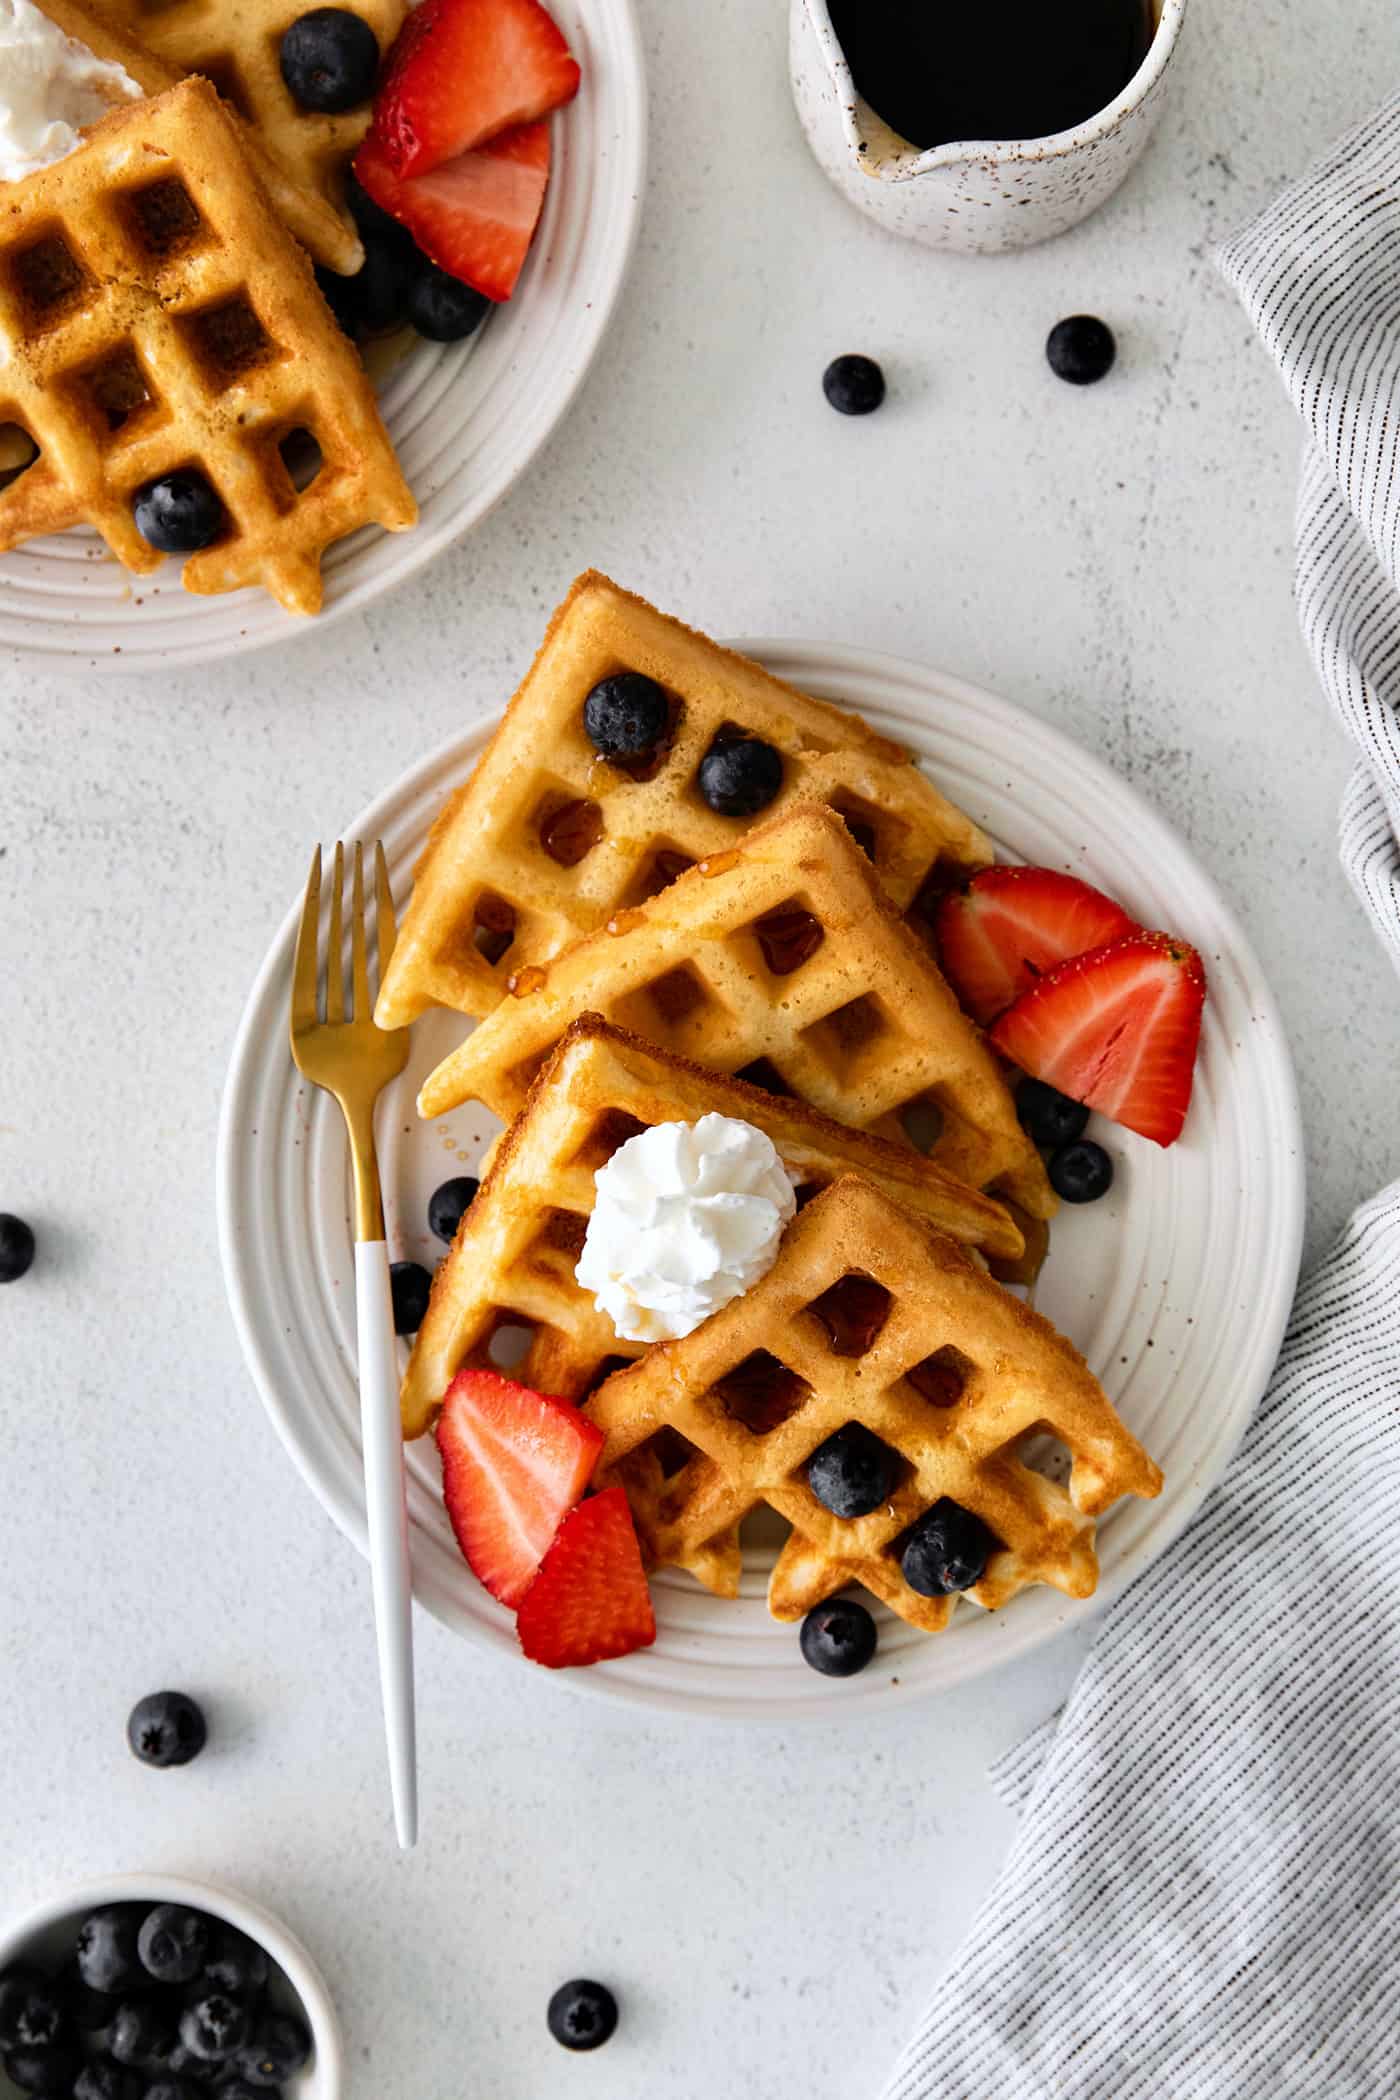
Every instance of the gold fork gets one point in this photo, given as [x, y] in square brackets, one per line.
[350, 1058]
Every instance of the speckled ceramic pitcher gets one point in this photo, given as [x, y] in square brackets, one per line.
[980, 196]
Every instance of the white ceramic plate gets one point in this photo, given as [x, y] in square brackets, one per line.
[466, 419]
[1176, 1286]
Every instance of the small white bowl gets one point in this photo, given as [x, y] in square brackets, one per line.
[46, 1934]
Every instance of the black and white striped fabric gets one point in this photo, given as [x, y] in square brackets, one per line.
[1203, 1900]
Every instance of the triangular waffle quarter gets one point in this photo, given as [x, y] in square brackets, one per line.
[508, 1284]
[547, 840]
[154, 315]
[780, 958]
[325, 231]
[948, 1369]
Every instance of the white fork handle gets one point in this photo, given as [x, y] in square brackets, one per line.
[382, 1437]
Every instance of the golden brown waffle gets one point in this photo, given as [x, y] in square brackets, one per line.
[329, 234]
[154, 314]
[781, 953]
[868, 1315]
[237, 45]
[490, 899]
[510, 1275]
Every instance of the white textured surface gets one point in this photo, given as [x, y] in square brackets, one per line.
[774, 1903]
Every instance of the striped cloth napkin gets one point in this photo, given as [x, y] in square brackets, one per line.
[1203, 1900]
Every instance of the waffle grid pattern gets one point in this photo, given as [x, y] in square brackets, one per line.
[490, 898]
[156, 316]
[509, 1276]
[862, 1026]
[703, 1431]
[236, 44]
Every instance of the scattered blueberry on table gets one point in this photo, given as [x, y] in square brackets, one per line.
[329, 60]
[582, 2015]
[411, 1285]
[1081, 1172]
[839, 1637]
[1048, 1117]
[178, 514]
[626, 716]
[854, 385]
[740, 775]
[166, 1728]
[449, 1204]
[1081, 349]
[946, 1551]
[16, 1247]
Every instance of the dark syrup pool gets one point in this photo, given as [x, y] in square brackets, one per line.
[936, 70]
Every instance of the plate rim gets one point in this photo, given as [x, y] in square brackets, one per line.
[799, 657]
[61, 648]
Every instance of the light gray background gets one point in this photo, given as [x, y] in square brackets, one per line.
[773, 1904]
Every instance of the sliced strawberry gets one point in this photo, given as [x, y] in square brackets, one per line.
[590, 1600]
[476, 215]
[1010, 925]
[462, 72]
[1118, 1029]
[513, 1463]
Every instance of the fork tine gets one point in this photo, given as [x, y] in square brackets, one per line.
[335, 959]
[304, 968]
[359, 962]
[387, 930]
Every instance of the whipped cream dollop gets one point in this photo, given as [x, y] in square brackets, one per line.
[688, 1216]
[51, 86]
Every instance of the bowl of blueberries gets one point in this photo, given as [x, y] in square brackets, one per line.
[153, 1987]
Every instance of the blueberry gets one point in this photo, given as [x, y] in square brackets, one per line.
[449, 1204]
[142, 2034]
[1081, 349]
[194, 2069]
[166, 1728]
[16, 1247]
[239, 2089]
[1081, 1172]
[627, 715]
[946, 1550]
[235, 1963]
[50, 2070]
[103, 2080]
[330, 59]
[740, 775]
[178, 514]
[582, 2015]
[442, 308]
[838, 1638]
[852, 1472]
[31, 2010]
[1048, 1117]
[172, 2088]
[106, 1948]
[215, 2026]
[173, 1942]
[854, 385]
[87, 2009]
[410, 1284]
[277, 2052]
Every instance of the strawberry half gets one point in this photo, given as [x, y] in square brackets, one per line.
[513, 1463]
[1117, 1028]
[462, 72]
[1010, 925]
[590, 1600]
[475, 216]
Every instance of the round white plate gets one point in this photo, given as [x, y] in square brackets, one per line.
[466, 419]
[1176, 1286]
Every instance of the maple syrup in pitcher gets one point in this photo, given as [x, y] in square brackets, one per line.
[938, 70]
